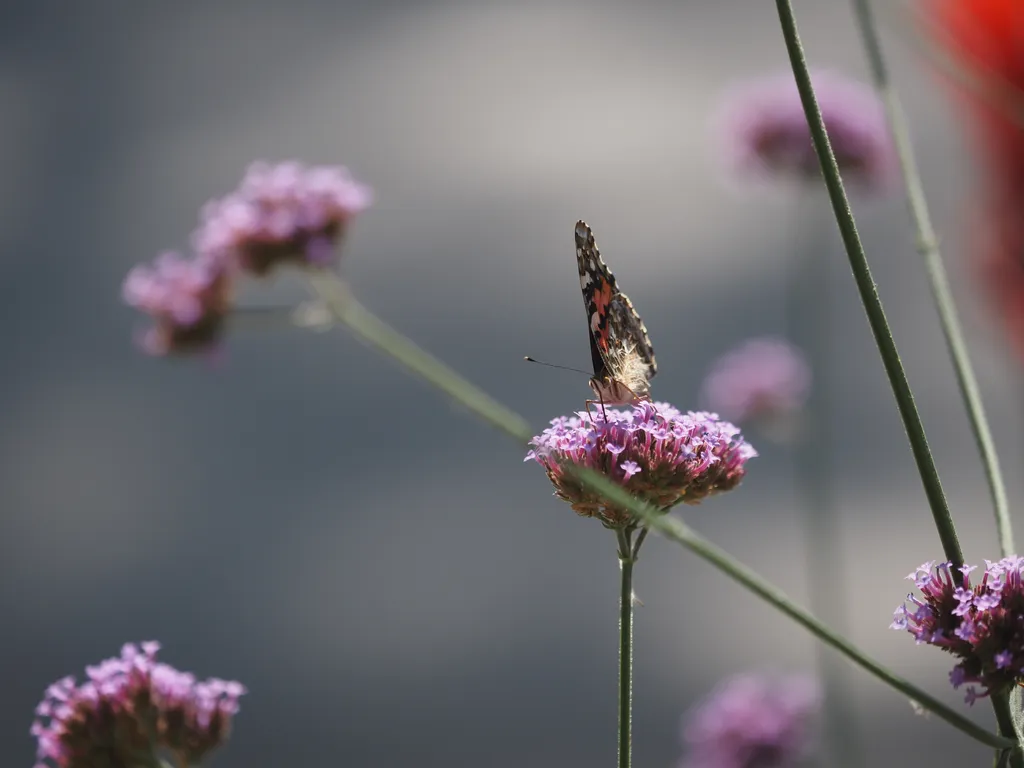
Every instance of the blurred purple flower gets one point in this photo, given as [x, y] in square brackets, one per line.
[131, 707]
[188, 299]
[762, 378]
[752, 721]
[656, 452]
[981, 625]
[766, 134]
[282, 213]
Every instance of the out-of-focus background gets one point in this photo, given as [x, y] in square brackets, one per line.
[382, 571]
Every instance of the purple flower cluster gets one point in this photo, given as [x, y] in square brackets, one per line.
[131, 707]
[766, 131]
[982, 625]
[282, 213]
[763, 378]
[656, 452]
[285, 213]
[752, 721]
[187, 298]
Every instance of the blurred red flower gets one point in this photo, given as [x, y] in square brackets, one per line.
[985, 39]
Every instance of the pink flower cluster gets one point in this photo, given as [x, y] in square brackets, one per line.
[752, 721]
[766, 134]
[130, 707]
[282, 213]
[187, 298]
[656, 452]
[762, 378]
[982, 625]
[285, 213]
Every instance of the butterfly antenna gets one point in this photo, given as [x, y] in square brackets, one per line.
[552, 365]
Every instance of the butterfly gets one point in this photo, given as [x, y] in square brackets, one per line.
[619, 345]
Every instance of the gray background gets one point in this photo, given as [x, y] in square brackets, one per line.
[390, 580]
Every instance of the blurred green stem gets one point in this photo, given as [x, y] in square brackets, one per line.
[374, 331]
[810, 320]
[928, 247]
[869, 294]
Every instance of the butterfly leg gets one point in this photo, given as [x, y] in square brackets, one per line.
[636, 398]
[588, 403]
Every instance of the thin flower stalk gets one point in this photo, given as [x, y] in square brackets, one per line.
[676, 530]
[869, 293]
[928, 247]
[627, 559]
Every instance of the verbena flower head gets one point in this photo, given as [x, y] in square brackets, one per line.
[657, 453]
[188, 299]
[282, 213]
[752, 721]
[762, 378]
[766, 134]
[131, 708]
[982, 625]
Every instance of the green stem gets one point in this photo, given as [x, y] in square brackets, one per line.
[1004, 721]
[627, 558]
[311, 314]
[869, 294]
[674, 529]
[371, 329]
[639, 541]
[381, 337]
[928, 247]
[811, 326]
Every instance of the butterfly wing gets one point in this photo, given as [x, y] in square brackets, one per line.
[619, 344]
[598, 286]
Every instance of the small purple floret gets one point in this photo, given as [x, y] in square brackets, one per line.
[658, 453]
[752, 722]
[982, 625]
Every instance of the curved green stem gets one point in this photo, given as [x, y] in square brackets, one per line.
[371, 329]
[674, 529]
[869, 293]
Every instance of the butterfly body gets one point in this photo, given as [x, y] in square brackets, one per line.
[619, 345]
